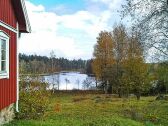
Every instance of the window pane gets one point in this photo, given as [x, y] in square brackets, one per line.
[3, 65]
[3, 55]
[3, 44]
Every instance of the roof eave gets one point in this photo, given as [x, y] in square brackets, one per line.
[27, 27]
[22, 16]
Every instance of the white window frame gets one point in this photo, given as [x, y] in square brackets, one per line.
[4, 36]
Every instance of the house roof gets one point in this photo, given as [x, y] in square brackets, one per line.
[21, 15]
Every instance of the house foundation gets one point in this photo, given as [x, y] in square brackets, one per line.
[7, 114]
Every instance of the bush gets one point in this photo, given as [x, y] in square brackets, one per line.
[33, 102]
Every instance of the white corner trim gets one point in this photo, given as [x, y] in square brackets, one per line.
[17, 70]
[3, 24]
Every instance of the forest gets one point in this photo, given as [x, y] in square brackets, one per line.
[33, 64]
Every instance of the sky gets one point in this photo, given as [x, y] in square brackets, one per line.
[68, 27]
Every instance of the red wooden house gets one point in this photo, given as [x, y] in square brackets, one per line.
[13, 22]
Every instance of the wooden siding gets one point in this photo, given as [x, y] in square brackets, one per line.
[7, 14]
[8, 86]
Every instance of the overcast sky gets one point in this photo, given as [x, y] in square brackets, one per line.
[68, 27]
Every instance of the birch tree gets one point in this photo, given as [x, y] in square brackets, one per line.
[120, 45]
[135, 77]
[150, 17]
[103, 57]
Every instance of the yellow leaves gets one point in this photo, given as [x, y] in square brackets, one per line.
[118, 59]
[103, 53]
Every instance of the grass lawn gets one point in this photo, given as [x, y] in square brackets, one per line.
[100, 110]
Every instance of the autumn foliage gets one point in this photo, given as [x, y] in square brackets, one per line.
[119, 62]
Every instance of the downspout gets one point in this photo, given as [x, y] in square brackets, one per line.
[17, 71]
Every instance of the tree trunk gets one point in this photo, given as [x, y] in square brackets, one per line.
[53, 89]
[96, 83]
[106, 89]
[119, 92]
[138, 95]
[127, 93]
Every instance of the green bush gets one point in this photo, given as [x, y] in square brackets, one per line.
[33, 100]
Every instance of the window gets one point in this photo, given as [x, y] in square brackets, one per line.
[4, 55]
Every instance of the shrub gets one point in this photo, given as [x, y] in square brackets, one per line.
[152, 117]
[33, 101]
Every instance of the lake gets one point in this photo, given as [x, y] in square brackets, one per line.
[70, 81]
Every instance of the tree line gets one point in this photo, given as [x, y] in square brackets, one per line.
[34, 64]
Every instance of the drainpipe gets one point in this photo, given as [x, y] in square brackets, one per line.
[17, 71]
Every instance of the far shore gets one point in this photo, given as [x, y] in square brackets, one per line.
[48, 74]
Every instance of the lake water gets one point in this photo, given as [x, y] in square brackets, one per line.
[70, 81]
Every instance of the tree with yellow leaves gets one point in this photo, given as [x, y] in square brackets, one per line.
[135, 76]
[119, 62]
[120, 38]
[103, 57]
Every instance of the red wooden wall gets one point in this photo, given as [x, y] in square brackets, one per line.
[8, 86]
[7, 13]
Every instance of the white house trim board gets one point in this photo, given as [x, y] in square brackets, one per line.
[4, 34]
[3, 24]
[17, 78]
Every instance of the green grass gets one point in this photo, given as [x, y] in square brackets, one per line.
[100, 110]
